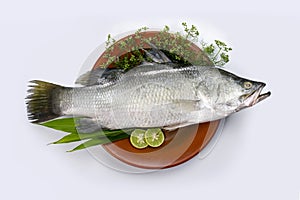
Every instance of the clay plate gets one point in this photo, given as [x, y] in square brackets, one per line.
[179, 146]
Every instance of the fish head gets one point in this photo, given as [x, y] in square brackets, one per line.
[252, 94]
[237, 93]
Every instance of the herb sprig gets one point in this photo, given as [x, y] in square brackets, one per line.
[217, 52]
[176, 47]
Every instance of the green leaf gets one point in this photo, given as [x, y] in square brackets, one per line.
[63, 124]
[220, 44]
[166, 28]
[68, 138]
[74, 137]
[225, 57]
[99, 141]
[209, 49]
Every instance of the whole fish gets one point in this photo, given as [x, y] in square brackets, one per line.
[150, 95]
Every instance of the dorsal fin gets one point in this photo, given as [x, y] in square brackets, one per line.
[99, 76]
[156, 55]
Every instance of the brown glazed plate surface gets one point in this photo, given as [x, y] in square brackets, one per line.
[179, 146]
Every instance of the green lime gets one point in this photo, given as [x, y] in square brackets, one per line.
[154, 137]
[137, 139]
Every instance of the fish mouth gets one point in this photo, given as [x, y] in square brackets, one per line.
[257, 96]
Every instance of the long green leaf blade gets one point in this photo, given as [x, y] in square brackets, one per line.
[99, 141]
[75, 137]
[63, 124]
[68, 138]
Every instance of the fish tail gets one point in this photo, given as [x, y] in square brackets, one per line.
[42, 101]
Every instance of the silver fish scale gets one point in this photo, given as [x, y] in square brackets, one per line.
[146, 96]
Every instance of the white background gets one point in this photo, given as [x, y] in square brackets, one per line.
[257, 156]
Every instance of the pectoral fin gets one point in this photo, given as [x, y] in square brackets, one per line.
[186, 105]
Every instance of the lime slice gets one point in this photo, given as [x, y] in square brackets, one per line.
[137, 139]
[154, 137]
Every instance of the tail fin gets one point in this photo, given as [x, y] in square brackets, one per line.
[42, 102]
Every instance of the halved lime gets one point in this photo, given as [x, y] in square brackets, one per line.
[137, 139]
[154, 137]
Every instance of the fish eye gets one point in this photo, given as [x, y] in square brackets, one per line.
[247, 85]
